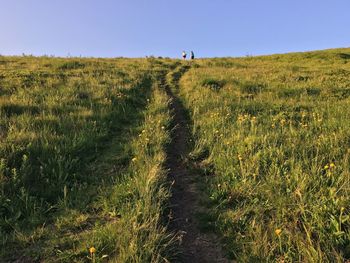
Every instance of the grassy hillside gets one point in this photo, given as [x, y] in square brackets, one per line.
[273, 133]
[83, 149]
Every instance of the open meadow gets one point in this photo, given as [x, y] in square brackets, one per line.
[87, 152]
[273, 135]
[81, 153]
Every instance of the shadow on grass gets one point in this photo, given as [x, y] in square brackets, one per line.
[55, 181]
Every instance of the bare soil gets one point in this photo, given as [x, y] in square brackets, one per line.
[195, 246]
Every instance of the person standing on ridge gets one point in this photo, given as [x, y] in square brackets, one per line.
[184, 55]
[192, 55]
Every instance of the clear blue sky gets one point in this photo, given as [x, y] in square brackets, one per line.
[136, 28]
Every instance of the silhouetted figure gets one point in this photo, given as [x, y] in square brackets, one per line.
[184, 55]
[192, 55]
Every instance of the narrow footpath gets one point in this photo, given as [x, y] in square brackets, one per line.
[185, 202]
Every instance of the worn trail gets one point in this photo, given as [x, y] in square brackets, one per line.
[185, 204]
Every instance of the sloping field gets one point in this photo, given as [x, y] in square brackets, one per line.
[157, 160]
[273, 135]
[82, 147]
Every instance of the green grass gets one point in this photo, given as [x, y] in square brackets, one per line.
[82, 151]
[276, 130]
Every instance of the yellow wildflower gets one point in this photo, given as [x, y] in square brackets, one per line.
[92, 250]
[278, 231]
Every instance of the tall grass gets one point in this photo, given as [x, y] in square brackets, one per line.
[277, 132]
[74, 172]
[51, 120]
[82, 152]
[135, 203]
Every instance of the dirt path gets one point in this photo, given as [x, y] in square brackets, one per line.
[185, 204]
